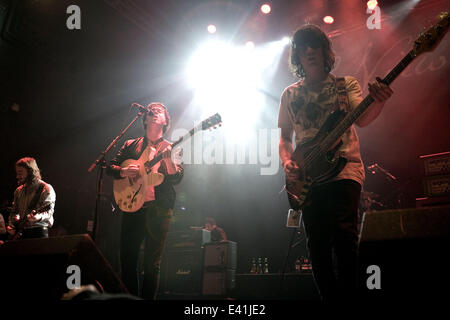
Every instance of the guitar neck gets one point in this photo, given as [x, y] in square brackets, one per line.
[352, 116]
[38, 210]
[158, 158]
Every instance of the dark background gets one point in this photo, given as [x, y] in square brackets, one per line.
[65, 94]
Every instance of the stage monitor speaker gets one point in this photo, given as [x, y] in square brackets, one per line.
[413, 223]
[410, 248]
[181, 272]
[38, 268]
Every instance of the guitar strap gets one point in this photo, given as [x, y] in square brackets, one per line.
[342, 95]
[36, 197]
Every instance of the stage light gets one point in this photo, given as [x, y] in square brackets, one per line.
[328, 19]
[285, 40]
[371, 4]
[228, 79]
[266, 8]
[225, 78]
[211, 28]
[250, 45]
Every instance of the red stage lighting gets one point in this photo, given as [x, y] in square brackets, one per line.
[266, 8]
[328, 19]
[371, 4]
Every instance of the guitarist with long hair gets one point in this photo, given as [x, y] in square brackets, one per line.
[330, 210]
[150, 223]
[34, 203]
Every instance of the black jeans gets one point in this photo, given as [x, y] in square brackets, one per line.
[331, 223]
[149, 224]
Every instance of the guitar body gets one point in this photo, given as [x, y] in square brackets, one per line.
[129, 192]
[23, 222]
[318, 169]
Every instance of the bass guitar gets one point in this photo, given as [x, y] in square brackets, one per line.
[129, 192]
[318, 158]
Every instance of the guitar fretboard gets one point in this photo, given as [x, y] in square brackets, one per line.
[149, 164]
[352, 116]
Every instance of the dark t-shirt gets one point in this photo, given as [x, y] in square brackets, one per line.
[217, 234]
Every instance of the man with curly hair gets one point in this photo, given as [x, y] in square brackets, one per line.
[330, 212]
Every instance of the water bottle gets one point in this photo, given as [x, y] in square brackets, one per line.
[259, 269]
[266, 265]
[253, 267]
[298, 265]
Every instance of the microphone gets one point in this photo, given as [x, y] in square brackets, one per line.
[142, 108]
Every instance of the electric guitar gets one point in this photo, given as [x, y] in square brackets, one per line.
[129, 192]
[317, 157]
[23, 222]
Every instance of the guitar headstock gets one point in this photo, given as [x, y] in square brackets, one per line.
[428, 40]
[212, 122]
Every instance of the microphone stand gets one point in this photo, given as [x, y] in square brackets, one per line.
[388, 175]
[101, 160]
[295, 232]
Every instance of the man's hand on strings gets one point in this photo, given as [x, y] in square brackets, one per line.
[380, 91]
[292, 170]
[130, 171]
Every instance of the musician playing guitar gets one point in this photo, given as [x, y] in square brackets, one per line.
[331, 207]
[149, 223]
[34, 203]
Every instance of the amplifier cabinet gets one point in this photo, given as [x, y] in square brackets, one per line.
[221, 255]
[218, 282]
[181, 272]
[438, 163]
[187, 239]
[437, 185]
[219, 273]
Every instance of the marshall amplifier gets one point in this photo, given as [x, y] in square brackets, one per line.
[438, 163]
[437, 185]
[193, 238]
[181, 272]
[182, 262]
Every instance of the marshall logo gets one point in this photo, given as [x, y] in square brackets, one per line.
[183, 272]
